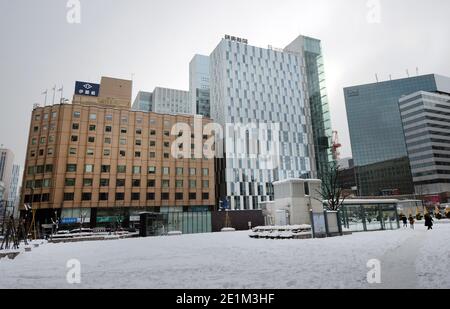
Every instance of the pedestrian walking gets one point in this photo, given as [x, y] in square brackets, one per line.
[405, 221]
[429, 221]
[411, 221]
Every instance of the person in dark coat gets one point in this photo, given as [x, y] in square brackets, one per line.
[429, 221]
[405, 221]
[411, 221]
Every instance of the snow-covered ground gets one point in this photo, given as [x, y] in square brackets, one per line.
[411, 259]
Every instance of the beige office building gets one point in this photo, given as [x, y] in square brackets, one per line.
[95, 159]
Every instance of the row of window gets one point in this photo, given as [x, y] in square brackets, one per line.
[119, 196]
[105, 182]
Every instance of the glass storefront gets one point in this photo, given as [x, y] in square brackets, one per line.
[369, 217]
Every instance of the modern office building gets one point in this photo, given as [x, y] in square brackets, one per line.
[257, 86]
[199, 87]
[6, 170]
[376, 132]
[426, 124]
[95, 160]
[164, 101]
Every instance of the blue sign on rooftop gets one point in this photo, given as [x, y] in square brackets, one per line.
[87, 89]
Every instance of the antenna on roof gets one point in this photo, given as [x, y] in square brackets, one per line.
[390, 76]
[407, 72]
[376, 77]
[417, 71]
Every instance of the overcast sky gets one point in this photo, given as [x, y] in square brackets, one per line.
[156, 39]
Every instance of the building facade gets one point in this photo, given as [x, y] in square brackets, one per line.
[163, 101]
[96, 159]
[426, 124]
[199, 87]
[376, 132]
[257, 87]
[6, 170]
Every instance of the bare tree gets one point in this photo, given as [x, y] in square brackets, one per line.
[332, 191]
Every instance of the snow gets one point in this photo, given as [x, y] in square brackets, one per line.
[409, 258]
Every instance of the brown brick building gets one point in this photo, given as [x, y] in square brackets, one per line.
[97, 159]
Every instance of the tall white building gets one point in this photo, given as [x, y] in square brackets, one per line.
[251, 85]
[199, 86]
[164, 101]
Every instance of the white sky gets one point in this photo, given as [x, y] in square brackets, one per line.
[155, 40]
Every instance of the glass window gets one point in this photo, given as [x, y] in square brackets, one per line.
[92, 127]
[136, 183]
[165, 170]
[87, 182]
[89, 168]
[205, 171]
[192, 171]
[120, 183]
[150, 196]
[76, 114]
[192, 196]
[69, 196]
[179, 183]
[91, 139]
[192, 184]
[108, 129]
[90, 152]
[120, 196]
[135, 196]
[86, 196]
[152, 170]
[108, 117]
[107, 152]
[71, 168]
[72, 151]
[104, 182]
[69, 182]
[205, 183]
[121, 168]
[180, 171]
[92, 116]
[74, 138]
[105, 168]
[151, 183]
[136, 170]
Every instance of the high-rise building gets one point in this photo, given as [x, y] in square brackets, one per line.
[163, 101]
[376, 132]
[96, 159]
[6, 170]
[199, 87]
[13, 187]
[253, 86]
[426, 124]
[312, 67]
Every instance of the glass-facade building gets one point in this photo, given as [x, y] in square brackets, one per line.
[251, 85]
[376, 132]
[199, 85]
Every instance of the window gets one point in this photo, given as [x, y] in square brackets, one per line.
[74, 138]
[152, 121]
[205, 183]
[87, 182]
[46, 183]
[92, 127]
[166, 133]
[179, 171]
[89, 168]
[205, 172]
[54, 114]
[166, 144]
[35, 129]
[139, 120]
[103, 196]
[45, 116]
[136, 170]
[108, 117]
[150, 196]
[152, 143]
[205, 196]
[138, 131]
[120, 183]
[108, 129]
[107, 152]
[41, 152]
[86, 196]
[137, 154]
[123, 141]
[76, 114]
[135, 196]
[51, 139]
[69, 182]
[71, 168]
[31, 170]
[90, 152]
[138, 142]
[120, 196]
[136, 183]
[108, 140]
[192, 171]
[39, 169]
[123, 130]
[37, 117]
[50, 151]
[192, 196]
[192, 184]
[91, 139]
[164, 196]
[75, 126]
[104, 182]
[32, 153]
[165, 183]
[153, 132]
[69, 196]
[166, 155]
[124, 119]
[178, 196]
[38, 183]
[72, 151]
[152, 155]
[151, 183]
[33, 141]
[92, 116]
[152, 170]
[45, 197]
[122, 153]
[165, 170]
[121, 168]
[179, 183]
[105, 169]
[42, 140]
